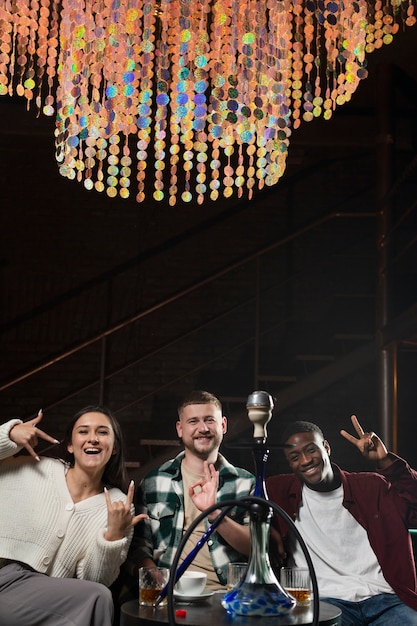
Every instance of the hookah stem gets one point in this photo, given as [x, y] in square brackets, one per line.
[191, 556]
[260, 454]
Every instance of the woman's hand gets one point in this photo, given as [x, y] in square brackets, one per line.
[119, 515]
[28, 434]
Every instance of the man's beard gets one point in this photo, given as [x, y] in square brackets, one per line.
[203, 454]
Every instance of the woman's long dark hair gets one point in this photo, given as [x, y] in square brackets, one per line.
[115, 474]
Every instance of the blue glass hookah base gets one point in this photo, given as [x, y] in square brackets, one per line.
[257, 599]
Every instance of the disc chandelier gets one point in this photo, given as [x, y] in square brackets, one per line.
[197, 98]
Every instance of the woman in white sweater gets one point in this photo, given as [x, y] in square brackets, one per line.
[65, 525]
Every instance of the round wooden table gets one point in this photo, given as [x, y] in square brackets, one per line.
[209, 612]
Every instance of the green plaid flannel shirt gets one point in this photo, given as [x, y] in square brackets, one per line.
[162, 493]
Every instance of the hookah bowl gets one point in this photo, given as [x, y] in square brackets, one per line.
[259, 592]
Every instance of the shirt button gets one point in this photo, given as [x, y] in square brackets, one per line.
[210, 542]
[60, 534]
[46, 560]
[69, 506]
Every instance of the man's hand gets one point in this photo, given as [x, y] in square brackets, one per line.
[204, 492]
[368, 444]
[28, 434]
[276, 540]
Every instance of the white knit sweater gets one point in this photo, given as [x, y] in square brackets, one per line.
[41, 526]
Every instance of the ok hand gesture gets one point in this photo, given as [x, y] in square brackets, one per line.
[204, 492]
[368, 443]
[119, 515]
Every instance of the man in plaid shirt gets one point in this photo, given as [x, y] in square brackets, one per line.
[175, 493]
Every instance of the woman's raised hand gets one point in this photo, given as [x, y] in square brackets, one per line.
[119, 515]
[27, 434]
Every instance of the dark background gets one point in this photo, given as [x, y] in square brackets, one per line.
[132, 305]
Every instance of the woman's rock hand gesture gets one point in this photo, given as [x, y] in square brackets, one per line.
[119, 515]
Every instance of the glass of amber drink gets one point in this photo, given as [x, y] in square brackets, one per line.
[297, 582]
[151, 582]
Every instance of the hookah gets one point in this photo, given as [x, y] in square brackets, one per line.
[258, 593]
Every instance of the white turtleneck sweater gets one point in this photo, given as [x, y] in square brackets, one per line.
[41, 526]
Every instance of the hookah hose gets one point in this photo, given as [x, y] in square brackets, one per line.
[191, 556]
[246, 503]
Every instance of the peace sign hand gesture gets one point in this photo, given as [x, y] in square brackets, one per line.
[119, 515]
[27, 435]
[369, 444]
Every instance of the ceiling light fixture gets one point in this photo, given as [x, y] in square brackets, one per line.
[204, 92]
